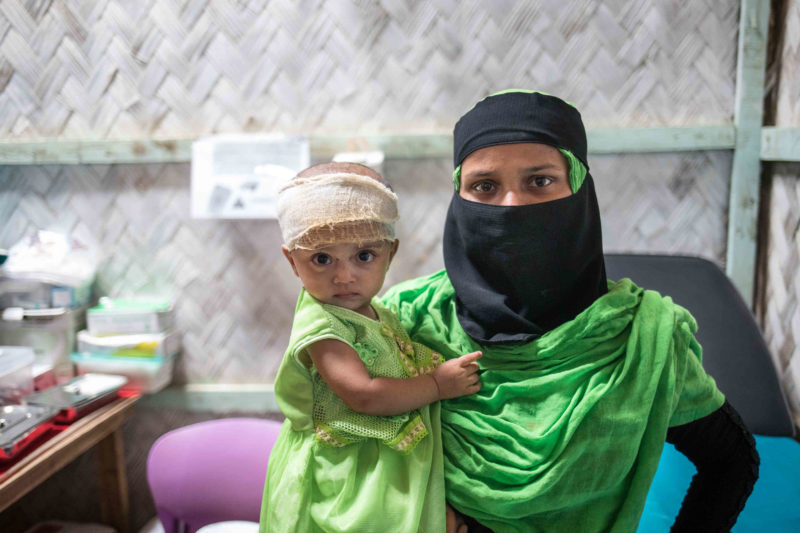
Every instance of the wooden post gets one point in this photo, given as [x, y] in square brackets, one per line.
[113, 484]
[746, 169]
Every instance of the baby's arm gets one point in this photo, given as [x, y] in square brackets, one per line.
[345, 373]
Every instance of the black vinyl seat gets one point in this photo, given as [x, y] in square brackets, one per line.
[734, 350]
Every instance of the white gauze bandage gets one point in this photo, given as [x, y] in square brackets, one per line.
[326, 209]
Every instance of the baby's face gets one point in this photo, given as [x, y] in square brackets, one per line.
[347, 275]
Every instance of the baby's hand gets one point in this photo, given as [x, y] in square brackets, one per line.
[458, 377]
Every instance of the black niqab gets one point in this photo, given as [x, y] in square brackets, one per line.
[520, 271]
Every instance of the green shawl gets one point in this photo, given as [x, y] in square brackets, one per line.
[567, 431]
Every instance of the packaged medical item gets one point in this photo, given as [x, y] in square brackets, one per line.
[47, 269]
[116, 316]
[51, 334]
[37, 294]
[138, 345]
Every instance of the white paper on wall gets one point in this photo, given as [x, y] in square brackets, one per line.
[238, 176]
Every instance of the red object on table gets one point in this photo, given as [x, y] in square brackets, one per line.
[48, 430]
[24, 447]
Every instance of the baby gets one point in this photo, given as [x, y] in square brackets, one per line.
[361, 448]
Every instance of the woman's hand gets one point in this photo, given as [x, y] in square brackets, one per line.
[458, 377]
[454, 522]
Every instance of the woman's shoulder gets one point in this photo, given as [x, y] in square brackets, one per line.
[426, 308]
[651, 305]
[428, 288]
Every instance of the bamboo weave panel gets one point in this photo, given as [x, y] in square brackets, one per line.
[183, 68]
[781, 311]
[788, 112]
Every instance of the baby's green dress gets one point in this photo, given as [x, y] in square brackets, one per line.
[336, 470]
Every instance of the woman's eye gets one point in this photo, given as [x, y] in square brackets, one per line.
[483, 186]
[542, 181]
[365, 256]
[321, 259]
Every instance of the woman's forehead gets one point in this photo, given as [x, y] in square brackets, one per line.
[527, 156]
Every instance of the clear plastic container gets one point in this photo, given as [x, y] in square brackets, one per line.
[145, 375]
[116, 316]
[37, 294]
[50, 332]
[138, 345]
[16, 373]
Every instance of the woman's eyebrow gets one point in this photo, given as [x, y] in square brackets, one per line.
[475, 174]
[478, 174]
[538, 168]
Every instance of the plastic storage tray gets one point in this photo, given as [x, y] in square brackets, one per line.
[51, 333]
[120, 316]
[21, 425]
[145, 374]
[79, 396]
[37, 294]
[138, 345]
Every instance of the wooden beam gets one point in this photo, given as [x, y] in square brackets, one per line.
[87, 152]
[746, 168]
[394, 146]
[780, 144]
[639, 140]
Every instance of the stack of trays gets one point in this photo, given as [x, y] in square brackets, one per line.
[132, 338]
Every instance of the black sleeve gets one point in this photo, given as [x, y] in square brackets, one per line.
[724, 452]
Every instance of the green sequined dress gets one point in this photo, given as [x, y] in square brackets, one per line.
[333, 469]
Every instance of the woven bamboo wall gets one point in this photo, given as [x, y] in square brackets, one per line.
[120, 69]
[780, 315]
[789, 89]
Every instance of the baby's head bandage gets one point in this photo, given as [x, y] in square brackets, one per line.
[326, 209]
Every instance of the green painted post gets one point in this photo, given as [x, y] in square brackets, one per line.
[780, 144]
[746, 171]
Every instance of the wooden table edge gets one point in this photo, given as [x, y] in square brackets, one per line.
[56, 453]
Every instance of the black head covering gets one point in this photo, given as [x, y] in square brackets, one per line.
[520, 117]
[520, 271]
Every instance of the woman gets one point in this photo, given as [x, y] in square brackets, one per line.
[583, 380]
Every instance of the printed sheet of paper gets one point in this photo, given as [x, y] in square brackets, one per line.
[238, 176]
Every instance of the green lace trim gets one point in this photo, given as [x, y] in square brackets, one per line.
[408, 438]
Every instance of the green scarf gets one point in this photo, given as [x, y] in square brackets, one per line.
[567, 431]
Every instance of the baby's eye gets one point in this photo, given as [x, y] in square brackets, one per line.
[542, 181]
[321, 259]
[483, 186]
[365, 256]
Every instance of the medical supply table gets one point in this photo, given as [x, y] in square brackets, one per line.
[100, 429]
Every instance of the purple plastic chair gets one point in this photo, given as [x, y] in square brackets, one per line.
[210, 472]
